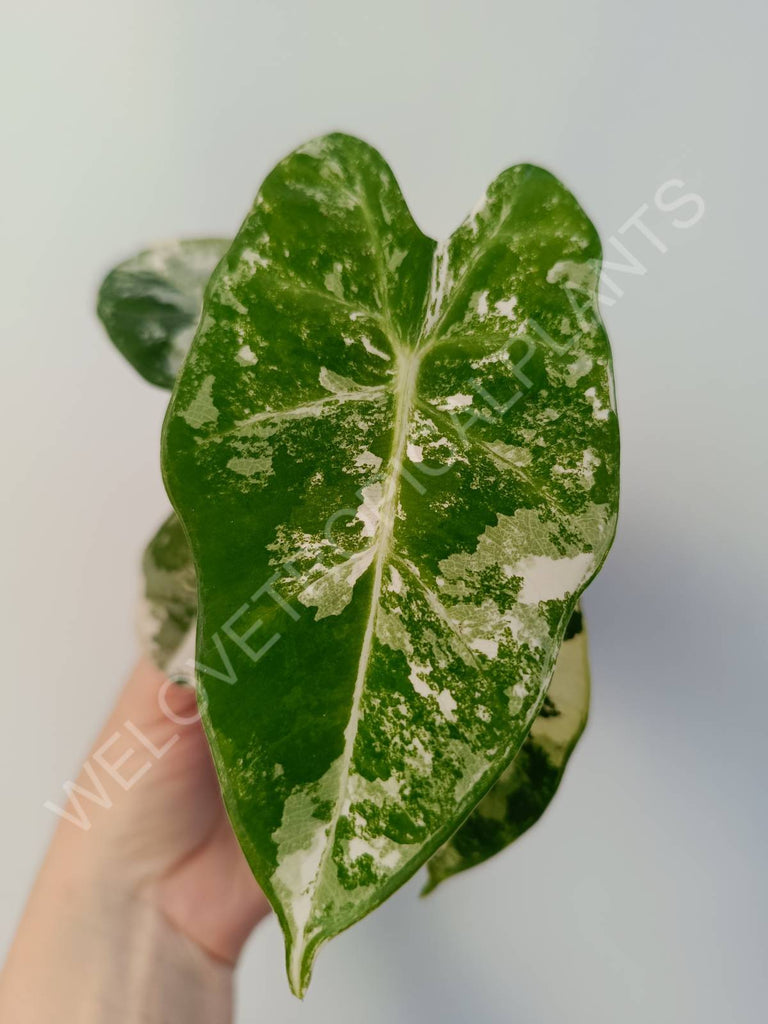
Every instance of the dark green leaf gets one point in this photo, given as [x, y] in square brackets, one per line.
[150, 305]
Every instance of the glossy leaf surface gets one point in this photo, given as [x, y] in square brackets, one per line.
[167, 628]
[150, 304]
[397, 464]
[524, 791]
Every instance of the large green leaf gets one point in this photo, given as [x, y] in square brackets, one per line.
[524, 791]
[397, 464]
[150, 304]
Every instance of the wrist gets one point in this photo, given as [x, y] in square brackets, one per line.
[98, 952]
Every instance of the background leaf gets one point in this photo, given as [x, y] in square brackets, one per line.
[397, 466]
[526, 788]
[150, 304]
[168, 607]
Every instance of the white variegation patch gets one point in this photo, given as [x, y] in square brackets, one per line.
[331, 589]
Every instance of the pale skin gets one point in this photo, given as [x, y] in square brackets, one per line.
[142, 916]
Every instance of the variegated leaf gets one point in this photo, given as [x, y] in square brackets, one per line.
[150, 304]
[167, 622]
[397, 464]
[524, 791]
[168, 605]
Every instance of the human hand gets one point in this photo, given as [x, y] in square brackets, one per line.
[145, 899]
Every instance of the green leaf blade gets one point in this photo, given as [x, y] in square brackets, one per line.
[383, 591]
[150, 304]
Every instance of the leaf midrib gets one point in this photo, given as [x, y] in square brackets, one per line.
[407, 367]
[408, 361]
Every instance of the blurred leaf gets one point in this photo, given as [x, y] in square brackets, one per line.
[150, 304]
[168, 606]
[526, 788]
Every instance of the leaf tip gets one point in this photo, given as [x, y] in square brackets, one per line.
[299, 960]
[430, 885]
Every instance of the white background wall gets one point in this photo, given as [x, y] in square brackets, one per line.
[641, 897]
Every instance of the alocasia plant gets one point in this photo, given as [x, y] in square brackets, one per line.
[396, 464]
